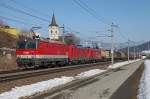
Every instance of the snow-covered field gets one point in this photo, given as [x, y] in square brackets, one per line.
[144, 87]
[38, 87]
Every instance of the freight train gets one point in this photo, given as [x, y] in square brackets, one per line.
[36, 53]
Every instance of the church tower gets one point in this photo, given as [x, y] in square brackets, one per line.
[53, 30]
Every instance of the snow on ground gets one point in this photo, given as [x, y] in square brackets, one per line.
[89, 73]
[38, 87]
[144, 87]
[146, 52]
[118, 64]
[28, 90]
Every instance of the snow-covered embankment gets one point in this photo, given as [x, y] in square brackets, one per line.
[144, 87]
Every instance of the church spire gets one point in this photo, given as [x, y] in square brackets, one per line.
[53, 29]
[53, 22]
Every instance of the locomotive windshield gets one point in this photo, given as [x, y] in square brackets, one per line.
[26, 45]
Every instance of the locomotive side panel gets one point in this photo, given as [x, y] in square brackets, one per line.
[52, 53]
[77, 55]
[97, 54]
[45, 54]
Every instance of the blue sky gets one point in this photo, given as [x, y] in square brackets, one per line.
[132, 17]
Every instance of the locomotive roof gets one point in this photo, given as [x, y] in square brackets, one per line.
[50, 41]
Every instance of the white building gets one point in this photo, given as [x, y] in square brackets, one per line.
[53, 30]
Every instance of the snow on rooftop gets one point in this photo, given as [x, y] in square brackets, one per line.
[144, 87]
[119, 64]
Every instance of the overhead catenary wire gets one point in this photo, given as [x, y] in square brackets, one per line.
[122, 35]
[15, 20]
[22, 12]
[83, 7]
[95, 13]
[91, 11]
[37, 12]
[82, 3]
[26, 13]
[29, 8]
[16, 17]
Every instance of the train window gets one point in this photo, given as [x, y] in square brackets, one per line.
[26, 45]
[21, 45]
[31, 45]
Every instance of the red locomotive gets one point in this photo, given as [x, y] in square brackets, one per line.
[34, 53]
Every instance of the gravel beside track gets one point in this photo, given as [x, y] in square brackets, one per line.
[6, 85]
[24, 74]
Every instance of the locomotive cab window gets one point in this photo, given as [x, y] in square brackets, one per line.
[26, 44]
[31, 45]
[21, 44]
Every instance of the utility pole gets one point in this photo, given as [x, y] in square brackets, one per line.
[148, 46]
[128, 51]
[134, 50]
[112, 40]
[63, 34]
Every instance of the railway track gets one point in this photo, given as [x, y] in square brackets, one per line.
[14, 75]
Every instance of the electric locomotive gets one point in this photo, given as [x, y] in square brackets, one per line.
[37, 52]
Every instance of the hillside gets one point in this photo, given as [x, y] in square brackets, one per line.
[7, 40]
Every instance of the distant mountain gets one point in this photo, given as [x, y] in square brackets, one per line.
[138, 48]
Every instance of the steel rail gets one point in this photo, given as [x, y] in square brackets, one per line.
[24, 74]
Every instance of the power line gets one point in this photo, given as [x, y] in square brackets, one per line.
[89, 10]
[14, 20]
[21, 11]
[94, 12]
[15, 17]
[34, 10]
[86, 9]
[29, 8]
[122, 35]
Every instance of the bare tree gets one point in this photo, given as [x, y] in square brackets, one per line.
[70, 38]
